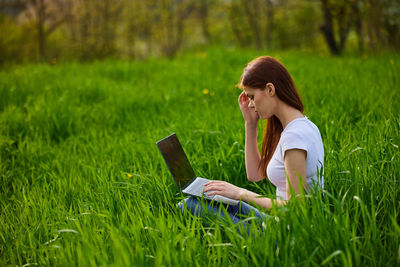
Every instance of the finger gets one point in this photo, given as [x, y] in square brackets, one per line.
[209, 183]
[208, 188]
[214, 193]
[245, 99]
[220, 182]
[212, 185]
[242, 97]
[214, 182]
[244, 103]
[211, 188]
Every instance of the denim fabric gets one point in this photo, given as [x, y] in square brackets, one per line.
[237, 213]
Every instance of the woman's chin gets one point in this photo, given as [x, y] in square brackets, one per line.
[265, 117]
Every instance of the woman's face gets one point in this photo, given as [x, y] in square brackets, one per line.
[263, 101]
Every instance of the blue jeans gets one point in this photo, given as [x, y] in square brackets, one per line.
[237, 213]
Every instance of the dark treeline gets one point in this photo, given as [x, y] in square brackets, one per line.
[50, 30]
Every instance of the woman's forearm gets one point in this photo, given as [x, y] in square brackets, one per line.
[252, 154]
[255, 199]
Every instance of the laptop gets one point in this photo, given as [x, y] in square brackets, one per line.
[182, 172]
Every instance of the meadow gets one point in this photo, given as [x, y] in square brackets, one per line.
[83, 183]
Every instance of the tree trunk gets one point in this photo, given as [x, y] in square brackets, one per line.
[358, 24]
[235, 28]
[175, 28]
[40, 20]
[270, 22]
[204, 20]
[131, 38]
[344, 27]
[327, 29]
[251, 9]
[106, 32]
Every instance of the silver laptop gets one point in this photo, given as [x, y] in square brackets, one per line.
[182, 172]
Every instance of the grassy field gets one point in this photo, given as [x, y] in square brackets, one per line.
[83, 183]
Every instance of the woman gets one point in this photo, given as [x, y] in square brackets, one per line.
[292, 152]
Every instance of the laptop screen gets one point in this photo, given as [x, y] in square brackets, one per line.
[176, 160]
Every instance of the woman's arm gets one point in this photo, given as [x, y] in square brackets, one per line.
[231, 191]
[252, 154]
[295, 167]
[255, 199]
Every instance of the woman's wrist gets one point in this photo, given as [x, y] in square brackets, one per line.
[251, 125]
[243, 194]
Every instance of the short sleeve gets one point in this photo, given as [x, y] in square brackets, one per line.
[293, 140]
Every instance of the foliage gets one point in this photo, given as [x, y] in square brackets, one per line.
[298, 26]
[16, 41]
[99, 29]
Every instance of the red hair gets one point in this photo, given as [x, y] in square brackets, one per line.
[256, 75]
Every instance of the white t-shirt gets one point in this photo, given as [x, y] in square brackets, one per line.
[302, 134]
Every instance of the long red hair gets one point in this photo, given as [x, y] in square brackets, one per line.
[256, 75]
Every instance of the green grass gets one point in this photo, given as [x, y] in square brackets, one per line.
[83, 183]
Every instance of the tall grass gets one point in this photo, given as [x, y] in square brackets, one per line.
[82, 182]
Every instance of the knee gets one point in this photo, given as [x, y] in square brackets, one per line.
[190, 204]
[180, 206]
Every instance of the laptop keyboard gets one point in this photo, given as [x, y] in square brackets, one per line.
[196, 187]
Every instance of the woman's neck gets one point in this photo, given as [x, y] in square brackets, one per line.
[286, 114]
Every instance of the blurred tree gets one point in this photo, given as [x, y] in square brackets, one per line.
[93, 27]
[204, 18]
[134, 14]
[391, 22]
[252, 11]
[174, 14]
[252, 22]
[239, 29]
[375, 22]
[48, 15]
[382, 23]
[90, 29]
[296, 24]
[357, 16]
[270, 20]
[15, 41]
[12, 7]
[339, 13]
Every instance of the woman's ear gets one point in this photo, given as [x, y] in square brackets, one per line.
[270, 89]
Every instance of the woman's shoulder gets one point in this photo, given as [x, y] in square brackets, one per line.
[300, 134]
[300, 126]
[301, 129]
